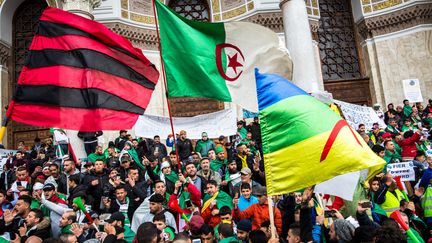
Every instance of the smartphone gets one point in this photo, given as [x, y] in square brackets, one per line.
[329, 213]
[366, 205]
[101, 227]
[188, 203]
[196, 241]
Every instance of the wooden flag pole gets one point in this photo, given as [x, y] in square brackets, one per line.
[271, 214]
[165, 85]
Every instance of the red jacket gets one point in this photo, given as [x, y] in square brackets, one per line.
[259, 214]
[210, 219]
[408, 145]
[195, 197]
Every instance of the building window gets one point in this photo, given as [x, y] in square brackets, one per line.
[191, 9]
[25, 21]
[338, 50]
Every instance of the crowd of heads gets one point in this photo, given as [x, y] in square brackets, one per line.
[177, 189]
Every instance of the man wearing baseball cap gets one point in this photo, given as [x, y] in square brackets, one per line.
[204, 144]
[156, 206]
[246, 177]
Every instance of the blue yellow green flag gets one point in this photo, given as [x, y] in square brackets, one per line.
[304, 141]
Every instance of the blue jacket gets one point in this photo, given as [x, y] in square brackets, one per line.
[427, 175]
[244, 203]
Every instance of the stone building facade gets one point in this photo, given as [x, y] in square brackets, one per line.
[357, 50]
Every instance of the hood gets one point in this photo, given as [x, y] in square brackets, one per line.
[45, 223]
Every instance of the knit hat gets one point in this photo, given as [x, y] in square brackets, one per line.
[244, 225]
[219, 149]
[157, 198]
[165, 164]
[196, 222]
[344, 229]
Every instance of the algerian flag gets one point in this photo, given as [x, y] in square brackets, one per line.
[217, 60]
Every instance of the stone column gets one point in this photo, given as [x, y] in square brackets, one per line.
[81, 7]
[298, 40]
[5, 54]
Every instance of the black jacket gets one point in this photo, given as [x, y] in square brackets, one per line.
[95, 192]
[184, 148]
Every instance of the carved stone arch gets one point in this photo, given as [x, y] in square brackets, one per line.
[24, 23]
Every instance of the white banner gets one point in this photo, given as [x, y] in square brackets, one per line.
[357, 114]
[4, 153]
[215, 124]
[412, 90]
[405, 170]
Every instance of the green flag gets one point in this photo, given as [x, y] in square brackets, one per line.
[217, 60]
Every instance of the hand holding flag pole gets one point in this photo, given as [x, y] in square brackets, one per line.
[165, 86]
[78, 201]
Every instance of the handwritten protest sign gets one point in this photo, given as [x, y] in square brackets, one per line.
[405, 170]
[357, 114]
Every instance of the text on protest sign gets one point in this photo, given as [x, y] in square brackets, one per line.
[405, 170]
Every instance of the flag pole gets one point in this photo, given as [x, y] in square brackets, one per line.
[271, 215]
[165, 85]
[6, 119]
[3, 128]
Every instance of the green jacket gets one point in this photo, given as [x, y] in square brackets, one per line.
[203, 147]
[229, 240]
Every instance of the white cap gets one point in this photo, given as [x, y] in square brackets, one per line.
[37, 186]
[165, 165]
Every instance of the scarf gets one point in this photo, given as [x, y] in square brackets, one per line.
[243, 159]
[209, 201]
[173, 177]
[222, 199]
[216, 164]
[123, 208]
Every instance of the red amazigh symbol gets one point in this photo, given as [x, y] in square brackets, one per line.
[232, 61]
[333, 135]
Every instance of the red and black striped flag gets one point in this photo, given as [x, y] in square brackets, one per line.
[79, 75]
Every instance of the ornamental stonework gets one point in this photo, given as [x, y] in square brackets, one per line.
[370, 6]
[5, 53]
[272, 21]
[145, 39]
[395, 21]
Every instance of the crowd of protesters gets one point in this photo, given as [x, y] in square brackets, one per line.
[138, 190]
